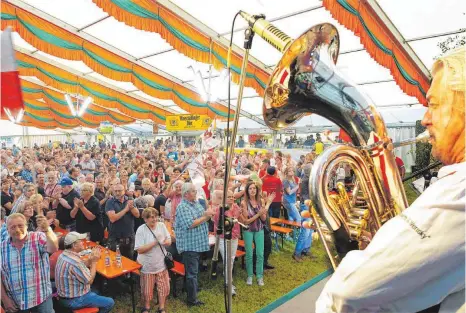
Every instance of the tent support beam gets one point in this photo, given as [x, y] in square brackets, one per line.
[459, 31]
[93, 23]
[154, 54]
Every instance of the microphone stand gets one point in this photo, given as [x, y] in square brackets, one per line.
[228, 223]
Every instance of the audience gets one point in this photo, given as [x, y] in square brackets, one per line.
[83, 192]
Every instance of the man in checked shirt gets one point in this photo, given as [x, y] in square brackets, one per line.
[25, 265]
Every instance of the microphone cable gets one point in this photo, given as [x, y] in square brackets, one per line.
[227, 168]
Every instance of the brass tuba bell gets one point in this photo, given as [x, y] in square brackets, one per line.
[306, 81]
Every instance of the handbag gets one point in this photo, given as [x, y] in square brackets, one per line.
[168, 257]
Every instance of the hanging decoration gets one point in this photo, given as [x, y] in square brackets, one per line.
[151, 16]
[380, 43]
[56, 41]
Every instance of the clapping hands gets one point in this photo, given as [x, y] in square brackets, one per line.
[270, 198]
[78, 203]
[42, 223]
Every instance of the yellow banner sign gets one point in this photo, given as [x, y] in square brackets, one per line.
[187, 122]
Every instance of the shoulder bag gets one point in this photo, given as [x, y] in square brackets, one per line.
[168, 258]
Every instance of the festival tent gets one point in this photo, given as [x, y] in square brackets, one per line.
[136, 58]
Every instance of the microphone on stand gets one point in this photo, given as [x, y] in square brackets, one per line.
[268, 31]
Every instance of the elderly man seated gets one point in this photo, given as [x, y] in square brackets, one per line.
[74, 277]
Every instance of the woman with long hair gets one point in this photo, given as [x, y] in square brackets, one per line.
[254, 215]
[291, 186]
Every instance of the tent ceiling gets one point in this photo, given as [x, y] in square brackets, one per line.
[293, 18]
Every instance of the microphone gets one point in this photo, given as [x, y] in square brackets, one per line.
[267, 31]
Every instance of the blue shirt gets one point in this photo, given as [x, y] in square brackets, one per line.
[27, 176]
[173, 155]
[190, 239]
[286, 197]
[114, 161]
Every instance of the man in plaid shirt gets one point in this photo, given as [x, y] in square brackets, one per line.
[192, 237]
[25, 265]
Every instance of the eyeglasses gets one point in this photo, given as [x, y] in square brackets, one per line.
[119, 190]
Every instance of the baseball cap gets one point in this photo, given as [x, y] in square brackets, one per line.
[66, 181]
[72, 237]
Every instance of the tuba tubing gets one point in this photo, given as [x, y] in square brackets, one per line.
[306, 81]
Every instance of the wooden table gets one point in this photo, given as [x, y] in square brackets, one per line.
[113, 271]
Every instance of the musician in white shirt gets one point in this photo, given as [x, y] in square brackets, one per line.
[416, 261]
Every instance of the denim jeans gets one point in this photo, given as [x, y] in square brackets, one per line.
[274, 209]
[258, 238]
[191, 266]
[293, 214]
[44, 307]
[305, 237]
[89, 300]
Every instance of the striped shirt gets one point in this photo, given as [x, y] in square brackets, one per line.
[26, 272]
[190, 239]
[72, 277]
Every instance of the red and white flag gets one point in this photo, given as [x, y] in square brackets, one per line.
[11, 100]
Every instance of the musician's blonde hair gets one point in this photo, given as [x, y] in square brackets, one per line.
[454, 77]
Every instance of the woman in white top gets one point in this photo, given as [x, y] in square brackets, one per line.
[151, 238]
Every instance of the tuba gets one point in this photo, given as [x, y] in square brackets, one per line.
[306, 81]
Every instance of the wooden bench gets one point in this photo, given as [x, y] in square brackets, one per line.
[281, 230]
[275, 221]
[87, 310]
[175, 272]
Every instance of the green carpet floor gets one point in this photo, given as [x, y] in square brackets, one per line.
[287, 275]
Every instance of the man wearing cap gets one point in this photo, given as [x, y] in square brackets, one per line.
[74, 277]
[25, 267]
[66, 204]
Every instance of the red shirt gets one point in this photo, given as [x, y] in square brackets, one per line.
[262, 173]
[273, 184]
[399, 162]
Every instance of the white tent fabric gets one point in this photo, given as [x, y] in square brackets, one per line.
[422, 32]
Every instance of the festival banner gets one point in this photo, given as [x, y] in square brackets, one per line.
[187, 122]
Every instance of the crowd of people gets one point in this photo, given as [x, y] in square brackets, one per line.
[129, 193]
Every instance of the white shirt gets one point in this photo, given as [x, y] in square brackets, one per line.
[341, 174]
[415, 261]
[153, 260]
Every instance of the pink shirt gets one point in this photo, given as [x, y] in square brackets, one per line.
[234, 212]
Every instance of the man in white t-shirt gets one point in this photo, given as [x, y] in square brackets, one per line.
[151, 238]
[416, 260]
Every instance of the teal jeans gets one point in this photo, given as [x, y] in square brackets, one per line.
[258, 239]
